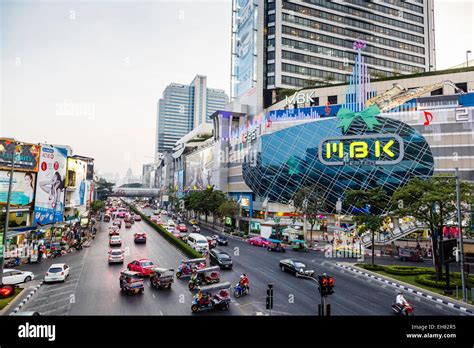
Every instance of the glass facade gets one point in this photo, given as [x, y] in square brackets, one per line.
[281, 163]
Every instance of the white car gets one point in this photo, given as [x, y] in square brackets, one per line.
[115, 240]
[14, 276]
[116, 256]
[170, 229]
[164, 212]
[57, 272]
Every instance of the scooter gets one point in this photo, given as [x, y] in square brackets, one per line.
[240, 290]
[56, 253]
[13, 262]
[405, 310]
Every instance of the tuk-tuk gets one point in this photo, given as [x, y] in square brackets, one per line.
[131, 282]
[107, 218]
[216, 296]
[114, 231]
[187, 267]
[298, 245]
[162, 278]
[205, 276]
[275, 245]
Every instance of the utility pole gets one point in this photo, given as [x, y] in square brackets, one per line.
[461, 246]
[7, 211]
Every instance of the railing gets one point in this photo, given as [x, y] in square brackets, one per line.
[396, 233]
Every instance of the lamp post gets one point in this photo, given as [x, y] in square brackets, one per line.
[467, 58]
[461, 246]
[7, 210]
[305, 208]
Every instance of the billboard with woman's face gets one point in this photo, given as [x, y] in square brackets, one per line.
[23, 188]
[50, 191]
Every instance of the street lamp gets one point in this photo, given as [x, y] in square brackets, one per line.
[467, 58]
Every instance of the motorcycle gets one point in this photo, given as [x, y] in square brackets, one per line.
[56, 253]
[240, 290]
[405, 310]
[13, 262]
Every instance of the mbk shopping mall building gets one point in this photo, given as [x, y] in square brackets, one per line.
[353, 134]
[402, 132]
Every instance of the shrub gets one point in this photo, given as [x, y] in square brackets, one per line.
[430, 280]
[370, 267]
[168, 236]
[408, 270]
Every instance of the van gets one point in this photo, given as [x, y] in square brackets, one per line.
[198, 242]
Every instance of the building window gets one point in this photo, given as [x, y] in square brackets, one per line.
[270, 80]
[271, 18]
[270, 67]
[271, 55]
[462, 86]
[438, 91]
[271, 43]
[332, 99]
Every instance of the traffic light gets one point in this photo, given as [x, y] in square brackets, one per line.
[326, 285]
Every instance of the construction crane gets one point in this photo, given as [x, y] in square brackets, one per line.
[398, 95]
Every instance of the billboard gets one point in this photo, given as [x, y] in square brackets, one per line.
[245, 46]
[76, 177]
[23, 188]
[50, 190]
[178, 183]
[199, 170]
[25, 159]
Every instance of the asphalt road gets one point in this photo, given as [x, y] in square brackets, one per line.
[93, 286]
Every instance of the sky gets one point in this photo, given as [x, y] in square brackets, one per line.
[89, 74]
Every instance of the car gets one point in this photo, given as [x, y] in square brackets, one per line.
[171, 229]
[156, 212]
[118, 223]
[220, 258]
[182, 228]
[221, 240]
[116, 256]
[408, 254]
[121, 215]
[142, 266]
[154, 219]
[114, 231]
[139, 237]
[128, 225]
[259, 241]
[57, 272]
[298, 268]
[164, 212]
[212, 242]
[137, 218]
[193, 222]
[115, 240]
[14, 276]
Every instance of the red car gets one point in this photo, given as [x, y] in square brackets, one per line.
[142, 266]
[259, 241]
[138, 218]
[182, 228]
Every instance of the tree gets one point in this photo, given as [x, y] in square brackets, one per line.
[103, 188]
[97, 206]
[312, 208]
[173, 197]
[370, 205]
[432, 202]
[228, 208]
[205, 202]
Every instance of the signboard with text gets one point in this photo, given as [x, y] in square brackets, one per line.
[25, 157]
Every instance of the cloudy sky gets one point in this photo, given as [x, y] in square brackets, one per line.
[90, 73]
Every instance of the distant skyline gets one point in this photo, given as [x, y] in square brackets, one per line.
[89, 74]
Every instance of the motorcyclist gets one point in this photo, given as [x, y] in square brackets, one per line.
[244, 281]
[400, 301]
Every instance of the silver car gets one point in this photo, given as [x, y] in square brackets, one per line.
[116, 256]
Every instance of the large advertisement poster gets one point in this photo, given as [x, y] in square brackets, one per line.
[199, 170]
[245, 44]
[25, 155]
[178, 183]
[76, 177]
[23, 188]
[50, 190]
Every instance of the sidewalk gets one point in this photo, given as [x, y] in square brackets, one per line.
[23, 297]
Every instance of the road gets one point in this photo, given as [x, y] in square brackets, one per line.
[93, 287]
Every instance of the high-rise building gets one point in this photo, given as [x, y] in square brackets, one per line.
[183, 108]
[288, 44]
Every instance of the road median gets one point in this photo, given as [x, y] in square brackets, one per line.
[176, 242]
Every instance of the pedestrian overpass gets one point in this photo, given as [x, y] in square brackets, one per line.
[135, 192]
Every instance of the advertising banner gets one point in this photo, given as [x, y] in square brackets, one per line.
[23, 188]
[76, 177]
[50, 191]
[199, 170]
[25, 159]
[244, 46]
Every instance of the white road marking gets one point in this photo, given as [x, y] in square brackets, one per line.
[439, 306]
[54, 310]
[153, 295]
[384, 286]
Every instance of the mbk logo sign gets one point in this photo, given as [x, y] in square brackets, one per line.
[300, 98]
[379, 148]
